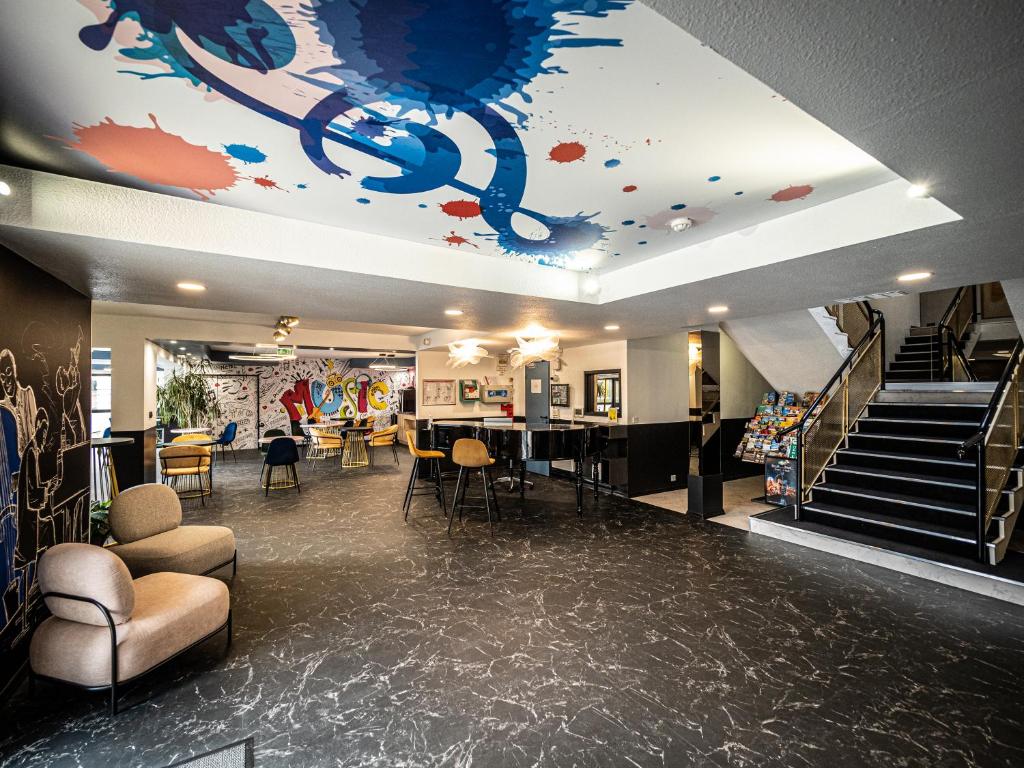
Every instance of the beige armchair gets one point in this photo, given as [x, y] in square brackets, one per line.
[146, 521]
[107, 630]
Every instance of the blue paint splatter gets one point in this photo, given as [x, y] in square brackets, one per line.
[302, 186]
[628, 223]
[362, 200]
[737, 193]
[245, 153]
[678, 206]
[422, 205]
[714, 178]
[641, 242]
[612, 163]
[642, 226]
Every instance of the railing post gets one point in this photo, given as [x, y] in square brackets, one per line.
[881, 367]
[799, 473]
[982, 502]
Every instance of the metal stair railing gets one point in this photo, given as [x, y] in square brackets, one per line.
[823, 427]
[961, 312]
[996, 443]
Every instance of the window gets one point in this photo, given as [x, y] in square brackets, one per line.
[603, 392]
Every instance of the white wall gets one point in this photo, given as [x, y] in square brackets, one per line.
[742, 383]
[433, 364]
[658, 377]
[594, 357]
[1014, 290]
[901, 314]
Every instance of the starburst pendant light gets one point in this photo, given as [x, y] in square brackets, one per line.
[533, 350]
[463, 353]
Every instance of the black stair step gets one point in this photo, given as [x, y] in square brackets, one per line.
[933, 487]
[973, 412]
[923, 446]
[920, 341]
[897, 505]
[929, 535]
[920, 375]
[921, 356]
[919, 364]
[916, 427]
[951, 468]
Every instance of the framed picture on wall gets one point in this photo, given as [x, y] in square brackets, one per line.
[438, 392]
[469, 390]
[560, 395]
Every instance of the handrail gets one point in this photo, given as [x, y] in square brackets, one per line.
[958, 349]
[877, 320]
[957, 298]
[993, 403]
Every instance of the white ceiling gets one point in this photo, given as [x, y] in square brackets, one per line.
[934, 95]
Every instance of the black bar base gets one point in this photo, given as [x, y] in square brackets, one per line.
[704, 495]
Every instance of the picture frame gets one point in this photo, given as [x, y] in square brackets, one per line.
[560, 395]
[438, 392]
[497, 393]
[469, 390]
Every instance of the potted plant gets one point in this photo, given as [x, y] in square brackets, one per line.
[186, 399]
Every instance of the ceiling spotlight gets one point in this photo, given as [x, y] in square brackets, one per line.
[182, 348]
[917, 190]
[453, 312]
[611, 327]
[591, 285]
[186, 285]
[280, 335]
[910, 277]
[718, 309]
[5, 188]
[681, 224]
[173, 341]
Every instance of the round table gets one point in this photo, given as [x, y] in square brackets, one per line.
[190, 430]
[197, 440]
[272, 438]
[355, 454]
[105, 486]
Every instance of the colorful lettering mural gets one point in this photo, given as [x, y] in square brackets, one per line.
[278, 397]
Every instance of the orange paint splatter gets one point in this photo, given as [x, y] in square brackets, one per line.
[567, 152]
[265, 182]
[155, 156]
[454, 239]
[461, 209]
[629, 188]
[792, 193]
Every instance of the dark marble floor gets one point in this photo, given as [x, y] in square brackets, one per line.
[631, 637]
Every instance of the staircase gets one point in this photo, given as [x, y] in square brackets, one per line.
[919, 358]
[898, 477]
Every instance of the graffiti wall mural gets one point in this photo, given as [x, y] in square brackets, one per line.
[44, 446]
[559, 132]
[304, 390]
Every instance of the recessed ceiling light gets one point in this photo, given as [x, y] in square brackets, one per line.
[681, 224]
[186, 285]
[591, 285]
[611, 327]
[718, 309]
[182, 348]
[917, 190]
[5, 188]
[910, 277]
[173, 341]
[453, 312]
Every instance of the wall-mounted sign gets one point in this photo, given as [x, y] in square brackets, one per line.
[560, 395]
[503, 364]
[438, 392]
[469, 390]
[500, 393]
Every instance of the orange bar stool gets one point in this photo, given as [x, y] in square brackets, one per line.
[437, 486]
[470, 455]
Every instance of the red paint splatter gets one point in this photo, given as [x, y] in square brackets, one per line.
[792, 193]
[266, 182]
[567, 152]
[155, 156]
[454, 239]
[629, 188]
[461, 209]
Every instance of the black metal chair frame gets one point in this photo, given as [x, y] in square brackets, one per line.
[437, 488]
[233, 562]
[459, 500]
[372, 449]
[268, 471]
[115, 684]
[201, 490]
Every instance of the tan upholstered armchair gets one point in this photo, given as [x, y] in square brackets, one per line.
[383, 438]
[107, 630]
[146, 522]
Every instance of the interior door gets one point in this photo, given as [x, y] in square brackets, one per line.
[538, 405]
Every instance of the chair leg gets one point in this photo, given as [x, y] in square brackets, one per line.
[462, 498]
[455, 500]
[407, 505]
[295, 478]
[266, 488]
[234, 564]
[231, 628]
[440, 486]
[394, 452]
[488, 483]
[487, 500]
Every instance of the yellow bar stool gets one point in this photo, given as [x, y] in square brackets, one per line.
[433, 457]
[471, 454]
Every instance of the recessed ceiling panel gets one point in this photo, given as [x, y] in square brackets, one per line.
[588, 134]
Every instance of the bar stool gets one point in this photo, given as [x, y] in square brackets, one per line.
[471, 454]
[435, 471]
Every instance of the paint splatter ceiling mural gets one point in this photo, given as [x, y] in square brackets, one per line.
[579, 134]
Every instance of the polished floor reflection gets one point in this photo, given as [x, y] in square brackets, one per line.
[632, 636]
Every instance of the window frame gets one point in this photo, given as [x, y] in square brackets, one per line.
[590, 386]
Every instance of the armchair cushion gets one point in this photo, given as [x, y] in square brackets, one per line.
[172, 611]
[144, 511]
[187, 549]
[88, 571]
